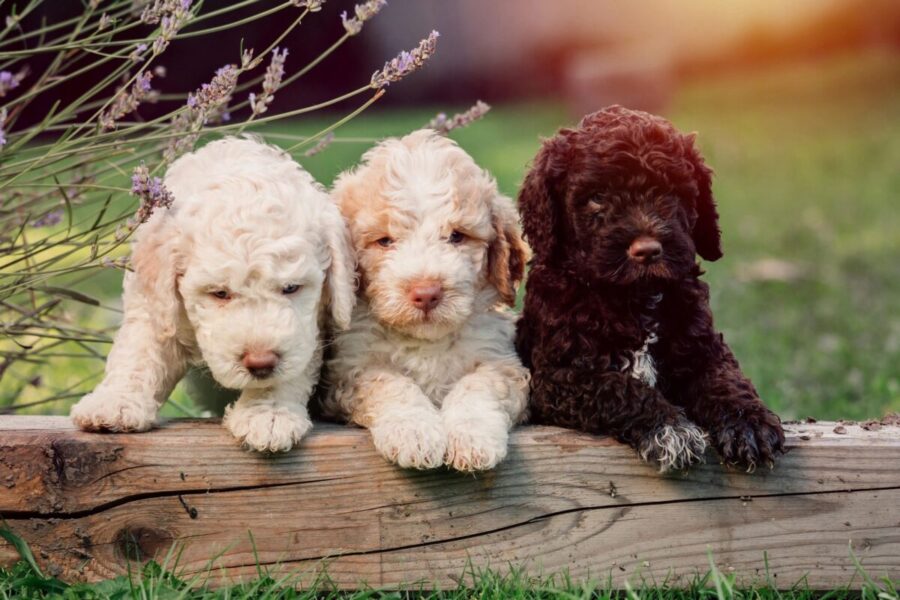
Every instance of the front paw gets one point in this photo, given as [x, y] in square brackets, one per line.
[108, 410]
[750, 440]
[265, 428]
[674, 447]
[476, 444]
[411, 443]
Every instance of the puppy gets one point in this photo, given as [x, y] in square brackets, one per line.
[616, 327]
[429, 363]
[236, 276]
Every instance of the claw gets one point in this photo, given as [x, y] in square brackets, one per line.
[751, 441]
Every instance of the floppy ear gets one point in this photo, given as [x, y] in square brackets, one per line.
[538, 201]
[706, 233]
[154, 283]
[508, 253]
[340, 277]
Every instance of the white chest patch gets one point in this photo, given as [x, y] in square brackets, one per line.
[641, 366]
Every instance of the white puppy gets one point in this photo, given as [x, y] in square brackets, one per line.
[236, 275]
[428, 364]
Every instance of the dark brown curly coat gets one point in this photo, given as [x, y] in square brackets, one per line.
[617, 328]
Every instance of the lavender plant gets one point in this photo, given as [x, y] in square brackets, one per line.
[77, 184]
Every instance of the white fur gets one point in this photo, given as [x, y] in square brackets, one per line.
[642, 366]
[675, 447]
[444, 389]
[248, 219]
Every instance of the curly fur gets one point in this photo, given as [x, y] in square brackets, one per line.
[442, 387]
[596, 320]
[674, 447]
[247, 220]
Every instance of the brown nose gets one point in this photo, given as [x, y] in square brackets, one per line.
[645, 250]
[260, 363]
[425, 295]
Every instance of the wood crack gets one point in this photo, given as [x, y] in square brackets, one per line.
[550, 515]
[12, 515]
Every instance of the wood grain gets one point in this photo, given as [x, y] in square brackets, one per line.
[90, 503]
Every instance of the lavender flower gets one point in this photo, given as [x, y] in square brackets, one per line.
[310, 5]
[3, 114]
[49, 219]
[363, 12]
[185, 138]
[153, 13]
[126, 102]
[104, 22]
[321, 145]
[10, 81]
[405, 62]
[274, 75]
[444, 125]
[171, 16]
[122, 262]
[207, 103]
[150, 191]
[247, 60]
[138, 51]
[215, 94]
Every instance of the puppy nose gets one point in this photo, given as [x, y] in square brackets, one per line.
[645, 250]
[425, 295]
[260, 363]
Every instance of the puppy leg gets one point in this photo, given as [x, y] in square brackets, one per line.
[405, 425]
[270, 420]
[479, 412]
[141, 372]
[619, 405]
[713, 390]
[745, 433]
[663, 435]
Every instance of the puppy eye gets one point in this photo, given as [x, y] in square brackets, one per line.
[385, 241]
[599, 212]
[220, 294]
[290, 289]
[456, 237]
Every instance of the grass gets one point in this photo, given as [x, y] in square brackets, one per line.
[806, 159]
[152, 581]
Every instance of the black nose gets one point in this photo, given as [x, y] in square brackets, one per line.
[645, 250]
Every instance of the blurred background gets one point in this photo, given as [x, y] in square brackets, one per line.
[797, 106]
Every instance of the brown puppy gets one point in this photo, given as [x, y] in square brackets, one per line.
[617, 328]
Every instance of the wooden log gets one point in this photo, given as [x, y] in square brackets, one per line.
[93, 505]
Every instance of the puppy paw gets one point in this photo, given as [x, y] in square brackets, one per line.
[107, 410]
[265, 428]
[476, 444]
[674, 447]
[409, 443]
[751, 440]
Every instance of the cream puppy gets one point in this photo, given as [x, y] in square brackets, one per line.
[235, 276]
[428, 364]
